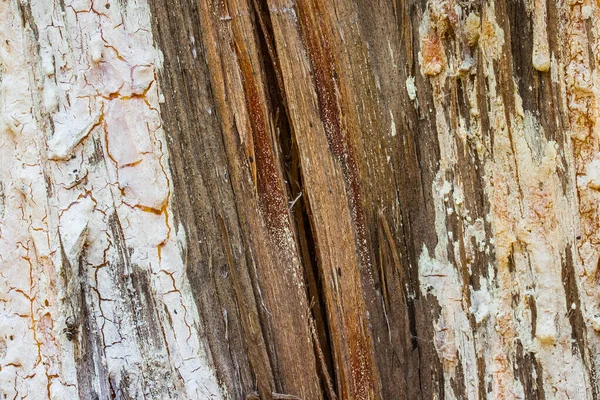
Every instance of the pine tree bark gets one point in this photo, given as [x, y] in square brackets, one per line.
[299, 199]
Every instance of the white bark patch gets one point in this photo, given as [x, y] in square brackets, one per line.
[392, 125]
[472, 29]
[454, 338]
[73, 227]
[69, 132]
[83, 151]
[482, 303]
[411, 89]
[593, 174]
[432, 55]
[579, 75]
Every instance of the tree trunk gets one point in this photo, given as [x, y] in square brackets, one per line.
[299, 199]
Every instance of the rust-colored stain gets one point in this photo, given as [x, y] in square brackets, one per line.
[272, 199]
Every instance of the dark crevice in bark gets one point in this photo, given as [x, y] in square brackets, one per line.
[481, 374]
[483, 105]
[535, 88]
[89, 347]
[137, 303]
[533, 310]
[578, 326]
[526, 372]
[285, 141]
[458, 382]
[314, 283]
[273, 208]
[27, 19]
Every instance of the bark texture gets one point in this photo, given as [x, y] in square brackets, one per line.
[299, 199]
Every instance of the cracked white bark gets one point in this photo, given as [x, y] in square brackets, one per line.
[86, 216]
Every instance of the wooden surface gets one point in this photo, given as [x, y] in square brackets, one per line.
[332, 199]
[310, 99]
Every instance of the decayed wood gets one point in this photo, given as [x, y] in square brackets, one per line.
[299, 199]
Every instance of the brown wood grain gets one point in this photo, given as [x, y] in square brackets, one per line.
[302, 98]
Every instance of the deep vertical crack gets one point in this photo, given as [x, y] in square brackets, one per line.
[285, 146]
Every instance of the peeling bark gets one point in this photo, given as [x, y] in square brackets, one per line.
[299, 199]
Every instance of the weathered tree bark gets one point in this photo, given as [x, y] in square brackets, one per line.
[299, 199]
